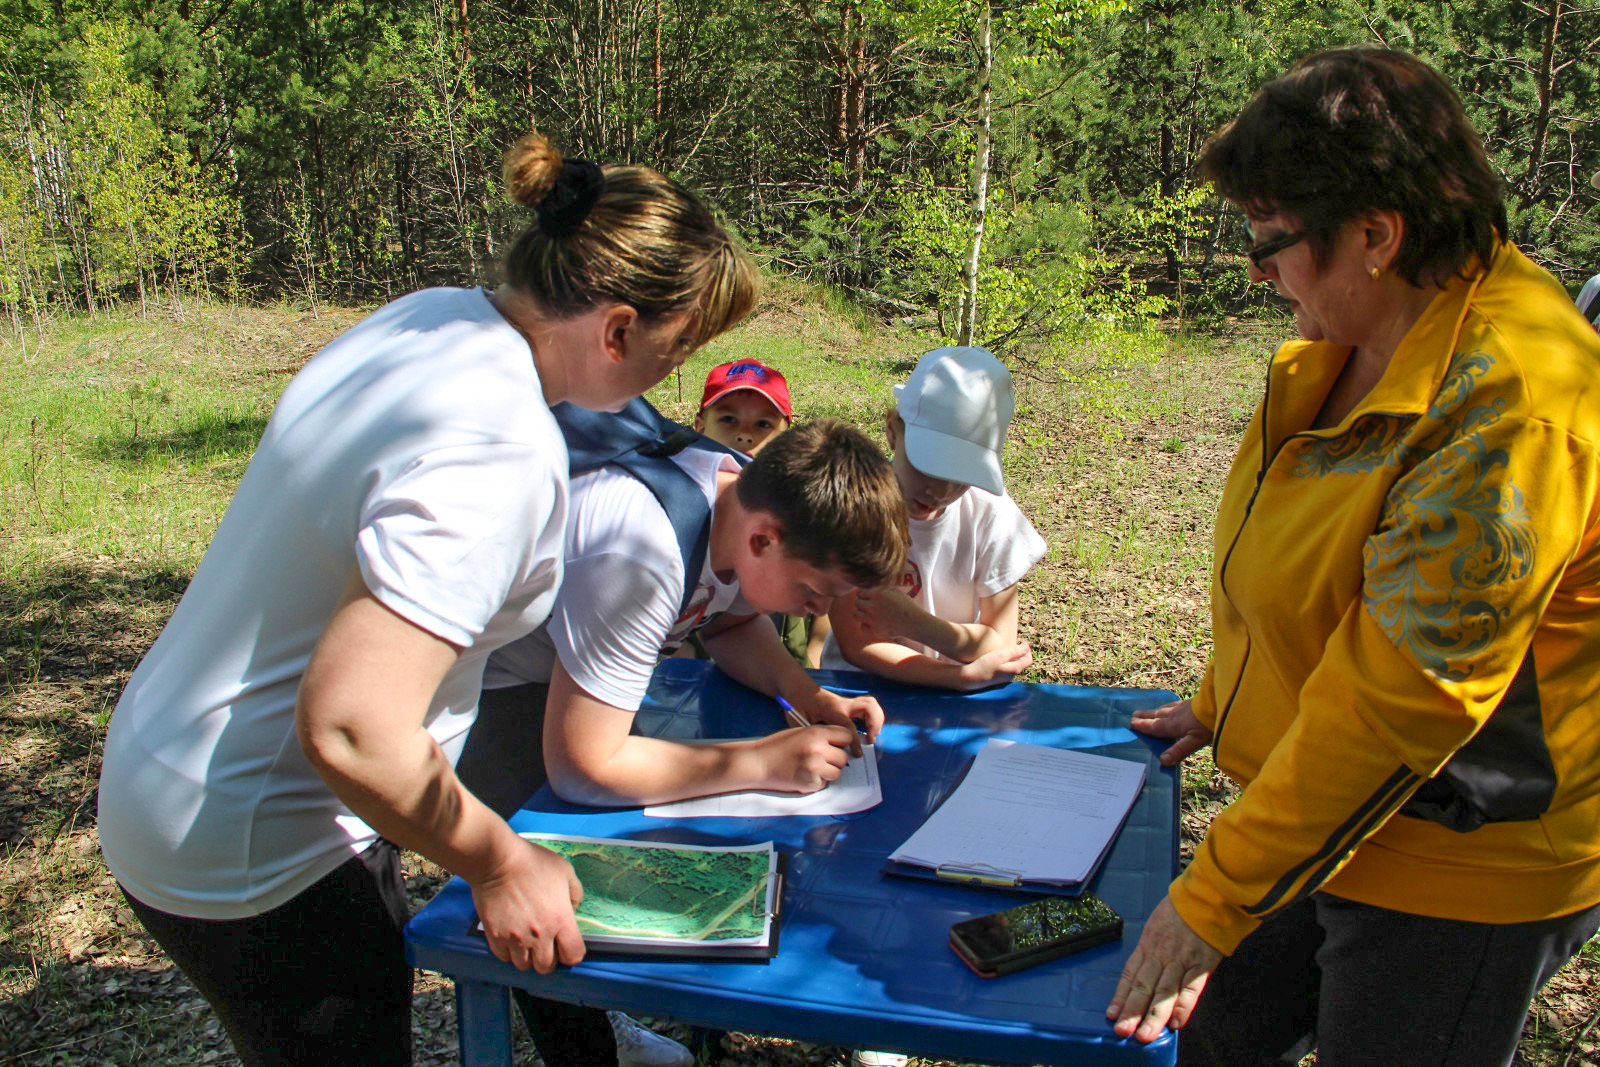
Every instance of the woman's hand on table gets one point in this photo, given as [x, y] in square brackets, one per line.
[1178, 722]
[526, 905]
[1163, 978]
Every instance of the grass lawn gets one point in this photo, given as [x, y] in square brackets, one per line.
[121, 440]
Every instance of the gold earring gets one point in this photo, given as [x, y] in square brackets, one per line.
[1374, 272]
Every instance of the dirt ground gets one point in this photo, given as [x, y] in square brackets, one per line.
[1121, 600]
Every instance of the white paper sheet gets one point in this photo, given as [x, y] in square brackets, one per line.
[857, 789]
[1044, 814]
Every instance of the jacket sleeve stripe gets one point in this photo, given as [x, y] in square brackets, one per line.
[1372, 812]
[1378, 818]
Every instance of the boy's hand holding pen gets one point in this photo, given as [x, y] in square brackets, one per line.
[859, 714]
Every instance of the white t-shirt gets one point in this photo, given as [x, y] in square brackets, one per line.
[418, 444]
[977, 547]
[618, 610]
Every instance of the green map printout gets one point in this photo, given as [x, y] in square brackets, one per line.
[646, 895]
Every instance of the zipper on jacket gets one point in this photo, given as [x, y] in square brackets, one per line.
[1249, 508]
[1222, 571]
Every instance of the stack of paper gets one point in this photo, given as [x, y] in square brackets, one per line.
[1025, 816]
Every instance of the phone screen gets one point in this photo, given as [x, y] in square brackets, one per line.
[1032, 926]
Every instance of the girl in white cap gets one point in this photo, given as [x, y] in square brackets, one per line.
[951, 620]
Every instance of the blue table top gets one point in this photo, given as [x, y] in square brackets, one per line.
[863, 957]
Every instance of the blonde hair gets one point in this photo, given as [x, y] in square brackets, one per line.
[647, 242]
[836, 497]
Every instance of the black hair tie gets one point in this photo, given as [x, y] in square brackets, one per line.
[571, 198]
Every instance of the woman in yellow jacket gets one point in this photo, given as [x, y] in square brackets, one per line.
[1405, 609]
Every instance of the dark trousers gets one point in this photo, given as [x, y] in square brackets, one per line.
[503, 764]
[322, 979]
[1370, 987]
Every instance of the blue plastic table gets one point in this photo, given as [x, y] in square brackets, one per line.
[863, 957]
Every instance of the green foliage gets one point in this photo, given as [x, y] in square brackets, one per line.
[1040, 23]
[1039, 279]
[94, 191]
[21, 232]
[345, 147]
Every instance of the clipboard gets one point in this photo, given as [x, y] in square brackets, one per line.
[988, 874]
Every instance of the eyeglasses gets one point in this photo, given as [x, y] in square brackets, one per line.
[1268, 249]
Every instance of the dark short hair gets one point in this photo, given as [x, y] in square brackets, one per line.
[837, 498]
[1353, 129]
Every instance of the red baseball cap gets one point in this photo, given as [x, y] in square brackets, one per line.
[747, 374]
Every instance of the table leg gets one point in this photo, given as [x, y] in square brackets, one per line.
[483, 1023]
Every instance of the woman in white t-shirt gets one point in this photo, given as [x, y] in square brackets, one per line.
[402, 517]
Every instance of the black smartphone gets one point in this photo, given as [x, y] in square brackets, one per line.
[1032, 933]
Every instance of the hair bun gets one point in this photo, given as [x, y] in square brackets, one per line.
[577, 187]
[530, 169]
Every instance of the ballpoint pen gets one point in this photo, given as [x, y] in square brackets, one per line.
[797, 719]
[791, 714]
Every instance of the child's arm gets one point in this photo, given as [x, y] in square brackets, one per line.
[869, 627]
[747, 648]
[592, 758]
[820, 629]
[887, 614]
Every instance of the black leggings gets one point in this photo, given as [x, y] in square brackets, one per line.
[503, 764]
[322, 979]
[1370, 987]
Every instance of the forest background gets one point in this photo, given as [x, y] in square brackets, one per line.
[195, 195]
[348, 150]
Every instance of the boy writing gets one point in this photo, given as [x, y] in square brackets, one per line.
[951, 618]
[814, 516]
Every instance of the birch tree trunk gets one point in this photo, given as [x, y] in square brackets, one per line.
[980, 182]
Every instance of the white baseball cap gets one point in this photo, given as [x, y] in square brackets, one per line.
[956, 406]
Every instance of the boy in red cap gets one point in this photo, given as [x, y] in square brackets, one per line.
[744, 404]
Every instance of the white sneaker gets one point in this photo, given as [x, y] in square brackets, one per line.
[865, 1058]
[640, 1046]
